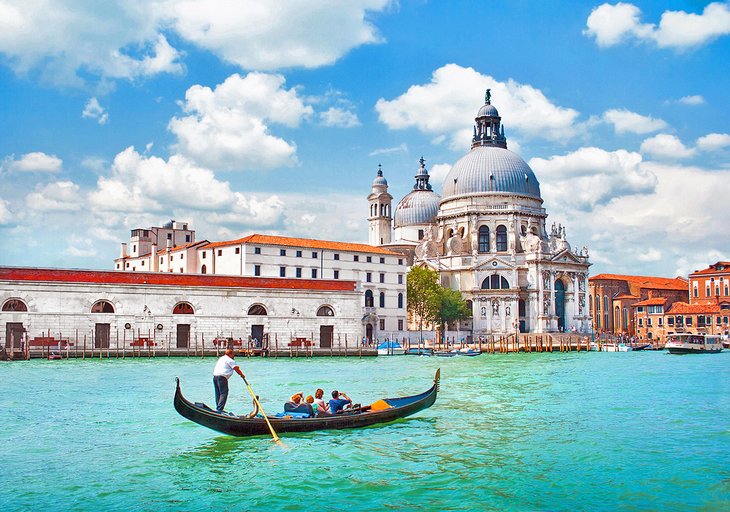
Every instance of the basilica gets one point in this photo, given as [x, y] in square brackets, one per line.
[488, 237]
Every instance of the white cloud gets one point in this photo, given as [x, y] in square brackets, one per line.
[625, 121]
[653, 231]
[455, 93]
[273, 35]
[64, 39]
[227, 128]
[438, 172]
[142, 185]
[81, 247]
[59, 196]
[665, 146]
[67, 40]
[93, 110]
[692, 101]
[615, 24]
[713, 141]
[5, 216]
[402, 148]
[592, 176]
[338, 117]
[36, 161]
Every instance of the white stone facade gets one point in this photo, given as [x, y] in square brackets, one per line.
[61, 302]
[379, 272]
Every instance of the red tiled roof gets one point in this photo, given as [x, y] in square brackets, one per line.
[168, 279]
[303, 242]
[626, 296]
[658, 283]
[682, 308]
[182, 247]
[654, 301]
[712, 269]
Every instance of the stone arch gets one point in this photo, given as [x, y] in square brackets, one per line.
[15, 305]
[183, 308]
[257, 310]
[102, 306]
[325, 310]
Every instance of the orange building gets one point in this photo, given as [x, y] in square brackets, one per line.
[711, 285]
[613, 298]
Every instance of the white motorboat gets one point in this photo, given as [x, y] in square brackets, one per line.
[693, 344]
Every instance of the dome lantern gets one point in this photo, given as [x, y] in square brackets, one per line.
[487, 128]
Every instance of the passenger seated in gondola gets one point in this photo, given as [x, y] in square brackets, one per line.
[295, 404]
[322, 407]
[337, 404]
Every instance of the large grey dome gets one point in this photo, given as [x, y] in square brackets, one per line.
[491, 169]
[417, 207]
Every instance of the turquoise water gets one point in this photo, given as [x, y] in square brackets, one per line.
[598, 431]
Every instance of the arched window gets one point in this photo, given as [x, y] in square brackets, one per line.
[400, 301]
[470, 308]
[495, 282]
[382, 299]
[522, 308]
[483, 239]
[325, 311]
[258, 310]
[15, 305]
[203, 269]
[102, 306]
[590, 303]
[501, 239]
[369, 299]
[449, 233]
[183, 308]
[605, 304]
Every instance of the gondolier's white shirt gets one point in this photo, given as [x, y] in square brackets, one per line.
[224, 367]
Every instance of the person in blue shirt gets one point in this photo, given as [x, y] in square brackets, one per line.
[337, 404]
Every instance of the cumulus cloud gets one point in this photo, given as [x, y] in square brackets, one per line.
[5, 215]
[59, 196]
[713, 142]
[438, 172]
[625, 121]
[36, 161]
[592, 176]
[692, 101]
[149, 184]
[454, 94]
[656, 230]
[667, 147]
[81, 247]
[93, 110]
[228, 128]
[69, 41]
[339, 118]
[274, 35]
[615, 24]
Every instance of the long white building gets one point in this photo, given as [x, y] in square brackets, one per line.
[380, 273]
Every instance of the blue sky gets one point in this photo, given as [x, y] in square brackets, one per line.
[272, 117]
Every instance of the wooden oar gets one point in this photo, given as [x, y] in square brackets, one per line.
[258, 404]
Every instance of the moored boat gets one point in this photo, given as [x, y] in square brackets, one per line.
[419, 351]
[391, 348]
[693, 344]
[381, 411]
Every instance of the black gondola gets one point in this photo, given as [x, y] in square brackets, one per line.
[244, 426]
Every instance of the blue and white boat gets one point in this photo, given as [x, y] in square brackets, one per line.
[391, 348]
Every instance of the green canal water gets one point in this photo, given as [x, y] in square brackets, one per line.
[598, 431]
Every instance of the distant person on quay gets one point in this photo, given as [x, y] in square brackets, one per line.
[223, 370]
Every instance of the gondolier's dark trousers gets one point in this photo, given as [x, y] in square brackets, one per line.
[220, 383]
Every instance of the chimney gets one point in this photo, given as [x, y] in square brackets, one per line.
[169, 244]
[155, 263]
[124, 250]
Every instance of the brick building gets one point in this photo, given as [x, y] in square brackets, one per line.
[615, 300]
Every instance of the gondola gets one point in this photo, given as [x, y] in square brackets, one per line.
[383, 411]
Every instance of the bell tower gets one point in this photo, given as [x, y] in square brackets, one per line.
[380, 218]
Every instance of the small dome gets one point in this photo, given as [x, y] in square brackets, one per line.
[491, 169]
[488, 111]
[417, 207]
[380, 180]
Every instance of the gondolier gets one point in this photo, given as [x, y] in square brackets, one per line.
[223, 370]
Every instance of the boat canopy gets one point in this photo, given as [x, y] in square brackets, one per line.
[390, 344]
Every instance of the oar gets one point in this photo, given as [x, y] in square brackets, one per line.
[258, 404]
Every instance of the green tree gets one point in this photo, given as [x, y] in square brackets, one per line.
[452, 306]
[424, 295]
